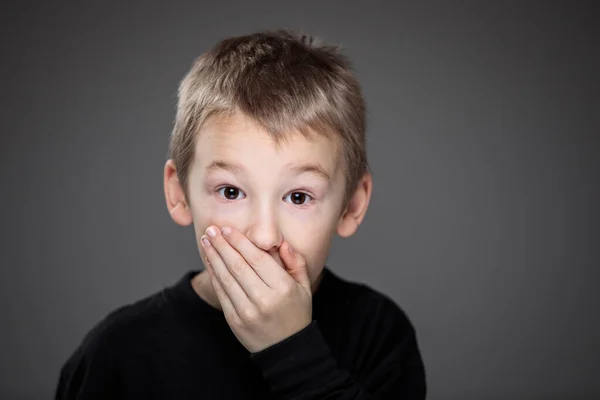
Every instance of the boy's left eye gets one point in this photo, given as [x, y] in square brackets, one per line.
[298, 198]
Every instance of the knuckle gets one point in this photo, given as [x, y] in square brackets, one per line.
[238, 266]
[257, 259]
[286, 290]
[302, 262]
[235, 319]
[249, 315]
[227, 280]
[263, 304]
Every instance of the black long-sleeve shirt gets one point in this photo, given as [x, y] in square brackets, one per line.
[174, 345]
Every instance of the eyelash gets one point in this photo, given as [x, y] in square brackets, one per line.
[311, 197]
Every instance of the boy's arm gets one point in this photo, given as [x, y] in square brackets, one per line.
[302, 367]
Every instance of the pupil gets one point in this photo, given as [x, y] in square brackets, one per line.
[231, 193]
[298, 198]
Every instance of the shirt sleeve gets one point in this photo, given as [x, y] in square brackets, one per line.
[90, 373]
[301, 367]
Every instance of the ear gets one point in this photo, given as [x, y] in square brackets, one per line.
[356, 208]
[175, 196]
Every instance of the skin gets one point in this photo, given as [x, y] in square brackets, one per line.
[241, 180]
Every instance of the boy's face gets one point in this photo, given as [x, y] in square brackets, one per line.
[293, 192]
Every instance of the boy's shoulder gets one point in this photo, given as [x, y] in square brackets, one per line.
[361, 300]
[99, 352]
[125, 323]
[356, 316]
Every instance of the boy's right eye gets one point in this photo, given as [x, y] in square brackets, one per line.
[230, 193]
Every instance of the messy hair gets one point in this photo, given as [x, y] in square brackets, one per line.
[283, 81]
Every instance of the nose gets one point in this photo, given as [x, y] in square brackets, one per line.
[264, 231]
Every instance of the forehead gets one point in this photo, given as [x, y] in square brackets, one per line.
[238, 137]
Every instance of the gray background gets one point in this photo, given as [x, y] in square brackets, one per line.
[483, 138]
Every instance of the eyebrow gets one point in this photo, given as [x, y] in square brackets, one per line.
[235, 168]
[222, 165]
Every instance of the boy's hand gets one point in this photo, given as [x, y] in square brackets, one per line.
[263, 303]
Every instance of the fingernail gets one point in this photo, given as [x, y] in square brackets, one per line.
[211, 232]
[205, 241]
[290, 249]
[225, 230]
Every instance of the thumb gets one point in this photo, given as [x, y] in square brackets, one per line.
[295, 265]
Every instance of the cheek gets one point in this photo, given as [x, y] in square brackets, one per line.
[316, 257]
[312, 240]
[207, 212]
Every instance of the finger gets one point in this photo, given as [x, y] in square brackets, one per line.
[226, 305]
[295, 264]
[243, 273]
[228, 283]
[262, 262]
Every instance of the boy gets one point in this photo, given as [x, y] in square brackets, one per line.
[268, 161]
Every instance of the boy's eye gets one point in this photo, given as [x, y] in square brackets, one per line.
[230, 192]
[298, 198]
[233, 193]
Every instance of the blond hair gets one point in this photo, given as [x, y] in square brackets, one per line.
[284, 82]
